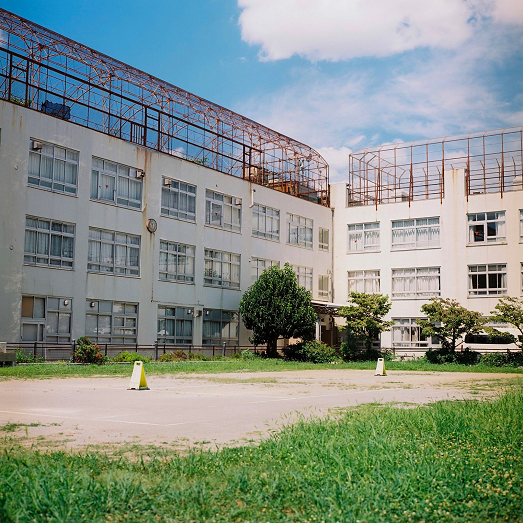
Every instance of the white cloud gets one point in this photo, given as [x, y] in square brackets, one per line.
[338, 160]
[343, 29]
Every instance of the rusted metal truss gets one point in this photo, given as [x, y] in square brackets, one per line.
[492, 160]
[46, 71]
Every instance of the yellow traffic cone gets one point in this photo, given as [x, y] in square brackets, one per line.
[138, 381]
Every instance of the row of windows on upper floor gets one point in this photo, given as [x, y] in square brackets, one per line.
[425, 282]
[56, 168]
[51, 243]
[425, 233]
[49, 319]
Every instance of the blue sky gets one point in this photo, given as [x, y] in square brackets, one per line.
[338, 75]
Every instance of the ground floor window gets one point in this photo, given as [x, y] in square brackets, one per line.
[220, 326]
[111, 322]
[46, 318]
[175, 325]
[407, 334]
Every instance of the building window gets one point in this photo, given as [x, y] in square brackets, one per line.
[53, 167]
[419, 233]
[324, 239]
[487, 279]
[116, 183]
[364, 281]
[408, 335]
[111, 322]
[46, 319]
[222, 269]
[486, 227]
[364, 237]
[304, 276]
[113, 252]
[48, 242]
[258, 265]
[266, 222]
[323, 286]
[176, 261]
[223, 211]
[421, 282]
[299, 231]
[220, 326]
[178, 199]
[175, 325]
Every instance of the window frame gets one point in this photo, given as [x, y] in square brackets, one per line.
[323, 239]
[490, 269]
[304, 276]
[417, 276]
[226, 204]
[256, 266]
[182, 193]
[211, 316]
[365, 230]
[412, 327]
[299, 230]
[179, 251]
[65, 262]
[323, 286]
[53, 184]
[215, 259]
[364, 276]
[113, 337]
[61, 311]
[113, 268]
[181, 315]
[416, 227]
[270, 216]
[499, 219]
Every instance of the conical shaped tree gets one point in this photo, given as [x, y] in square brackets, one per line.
[276, 306]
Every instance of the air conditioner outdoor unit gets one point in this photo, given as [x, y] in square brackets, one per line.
[37, 146]
[167, 182]
[236, 201]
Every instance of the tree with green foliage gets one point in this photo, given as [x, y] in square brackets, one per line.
[450, 322]
[364, 316]
[276, 306]
[508, 310]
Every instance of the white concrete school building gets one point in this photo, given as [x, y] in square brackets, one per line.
[134, 212]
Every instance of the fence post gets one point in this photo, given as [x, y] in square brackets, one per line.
[156, 350]
[73, 348]
[223, 349]
[35, 350]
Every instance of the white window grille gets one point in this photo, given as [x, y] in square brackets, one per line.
[407, 334]
[364, 281]
[363, 237]
[323, 239]
[486, 280]
[420, 283]
[178, 199]
[258, 265]
[323, 286]
[116, 183]
[48, 242]
[299, 231]
[175, 325]
[486, 227]
[176, 261]
[46, 318]
[222, 269]
[266, 222]
[111, 322]
[419, 233]
[113, 252]
[223, 211]
[304, 276]
[53, 167]
[220, 326]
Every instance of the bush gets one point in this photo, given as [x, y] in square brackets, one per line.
[311, 351]
[351, 350]
[440, 356]
[87, 352]
[502, 359]
[129, 357]
[195, 356]
[22, 357]
[248, 355]
[178, 355]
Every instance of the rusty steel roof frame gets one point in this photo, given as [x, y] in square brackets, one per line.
[492, 161]
[46, 71]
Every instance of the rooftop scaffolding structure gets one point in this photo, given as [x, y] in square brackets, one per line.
[45, 71]
[399, 172]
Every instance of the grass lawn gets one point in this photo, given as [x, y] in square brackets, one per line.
[51, 370]
[455, 461]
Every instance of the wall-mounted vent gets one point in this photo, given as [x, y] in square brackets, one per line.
[167, 182]
[37, 146]
[236, 201]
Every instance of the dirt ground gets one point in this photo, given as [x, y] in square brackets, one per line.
[209, 410]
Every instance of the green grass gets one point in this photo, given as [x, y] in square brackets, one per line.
[213, 367]
[456, 461]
